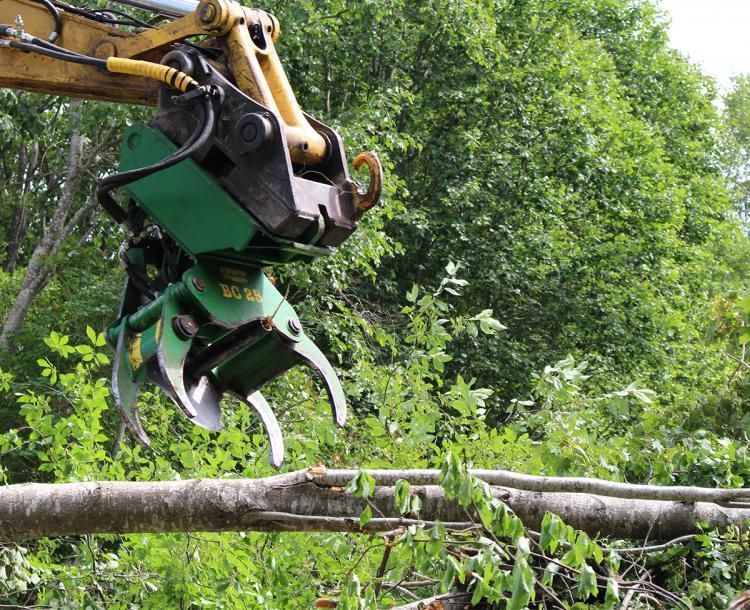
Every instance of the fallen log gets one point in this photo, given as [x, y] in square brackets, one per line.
[316, 500]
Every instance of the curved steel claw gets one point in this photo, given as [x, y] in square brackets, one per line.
[154, 376]
[126, 388]
[171, 355]
[204, 399]
[271, 424]
[311, 355]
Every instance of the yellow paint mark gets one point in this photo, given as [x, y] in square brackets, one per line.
[230, 291]
[135, 357]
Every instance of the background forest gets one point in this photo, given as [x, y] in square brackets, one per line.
[555, 283]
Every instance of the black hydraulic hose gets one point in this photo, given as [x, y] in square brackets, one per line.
[52, 47]
[197, 139]
[135, 21]
[56, 16]
[56, 53]
[95, 16]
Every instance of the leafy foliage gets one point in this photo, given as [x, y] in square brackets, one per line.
[424, 418]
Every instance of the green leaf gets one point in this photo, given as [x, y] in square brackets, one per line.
[411, 296]
[522, 584]
[458, 568]
[365, 517]
[552, 527]
[582, 546]
[480, 589]
[362, 485]
[587, 583]
[465, 491]
[487, 323]
[550, 571]
[612, 596]
[448, 578]
[353, 587]
[401, 496]
[435, 541]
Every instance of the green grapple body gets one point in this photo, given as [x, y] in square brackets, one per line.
[199, 317]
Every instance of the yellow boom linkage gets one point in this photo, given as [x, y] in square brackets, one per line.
[255, 66]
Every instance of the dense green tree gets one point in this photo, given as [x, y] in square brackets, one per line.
[737, 122]
[561, 152]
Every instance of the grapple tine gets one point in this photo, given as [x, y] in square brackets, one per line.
[205, 398]
[126, 386]
[311, 355]
[171, 356]
[260, 405]
[154, 376]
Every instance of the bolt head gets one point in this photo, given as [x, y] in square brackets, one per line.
[105, 50]
[207, 14]
[253, 132]
[199, 284]
[184, 326]
[295, 326]
[249, 132]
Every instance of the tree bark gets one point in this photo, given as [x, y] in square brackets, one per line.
[39, 270]
[583, 485]
[309, 501]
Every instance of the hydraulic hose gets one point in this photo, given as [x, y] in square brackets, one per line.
[170, 76]
[197, 139]
[55, 34]
[166, 74]
[50, 50]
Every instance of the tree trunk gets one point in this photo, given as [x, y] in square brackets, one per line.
[28, 164]
[38, 270]
[312, 500]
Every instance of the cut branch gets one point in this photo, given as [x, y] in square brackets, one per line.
[578, 485]
[307, 501]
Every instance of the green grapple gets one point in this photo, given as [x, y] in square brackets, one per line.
[199, 317]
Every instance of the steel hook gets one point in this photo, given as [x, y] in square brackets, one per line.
[365, 200]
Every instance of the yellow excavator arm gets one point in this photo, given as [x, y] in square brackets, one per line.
[245, 35]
